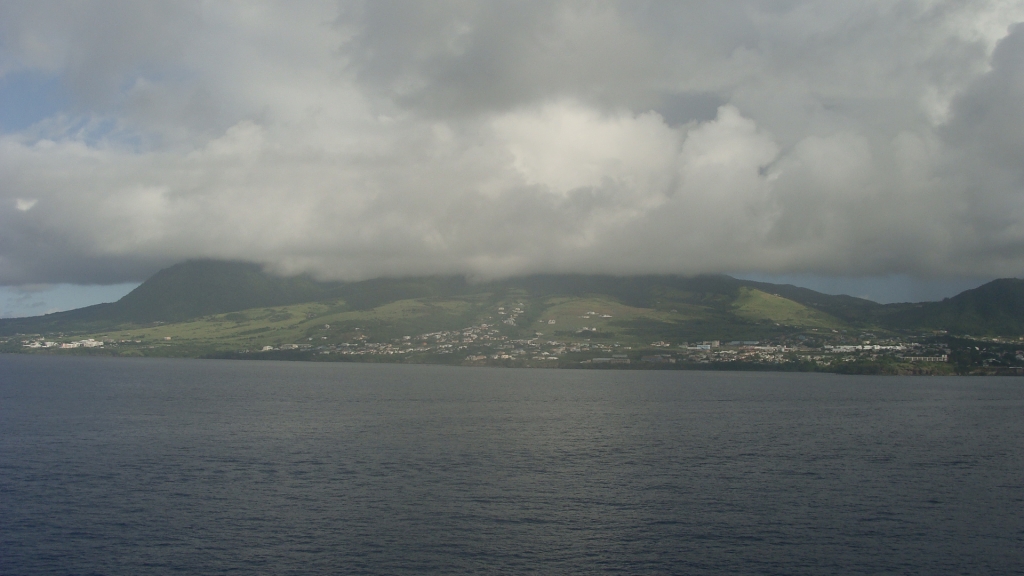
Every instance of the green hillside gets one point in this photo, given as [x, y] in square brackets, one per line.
[996, 308]
[181, 292]
[754, 304]
[503, 312]
[229, 305]
[201, 287]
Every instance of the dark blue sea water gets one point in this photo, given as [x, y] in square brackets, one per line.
[115, 466]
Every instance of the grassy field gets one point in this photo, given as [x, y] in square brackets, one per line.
[321, 322]
[755, 305]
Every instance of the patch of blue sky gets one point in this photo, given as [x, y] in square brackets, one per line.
[881, 289]
[104, 132]
[21, 301]
[38, 105]
[28, 97]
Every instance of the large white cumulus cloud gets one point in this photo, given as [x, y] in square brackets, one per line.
[354, 140]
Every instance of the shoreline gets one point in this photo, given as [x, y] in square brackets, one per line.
[852, 368]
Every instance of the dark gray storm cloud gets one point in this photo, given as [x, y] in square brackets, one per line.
[359, 139]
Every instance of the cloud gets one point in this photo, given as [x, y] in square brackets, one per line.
[23, 204]
[358, 139]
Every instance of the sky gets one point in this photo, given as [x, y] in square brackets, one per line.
[872, 148]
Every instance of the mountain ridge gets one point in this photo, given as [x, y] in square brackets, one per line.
[198, 288]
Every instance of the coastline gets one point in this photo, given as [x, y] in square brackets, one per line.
[864, 368]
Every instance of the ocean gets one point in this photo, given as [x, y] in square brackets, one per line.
[151, 466]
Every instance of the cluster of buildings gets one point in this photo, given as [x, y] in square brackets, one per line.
[441, 342]
[511, 315]
[479, 344]
[827, 355]
[496, 343]
[87, 343]
[714, 352]
[473, 344]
